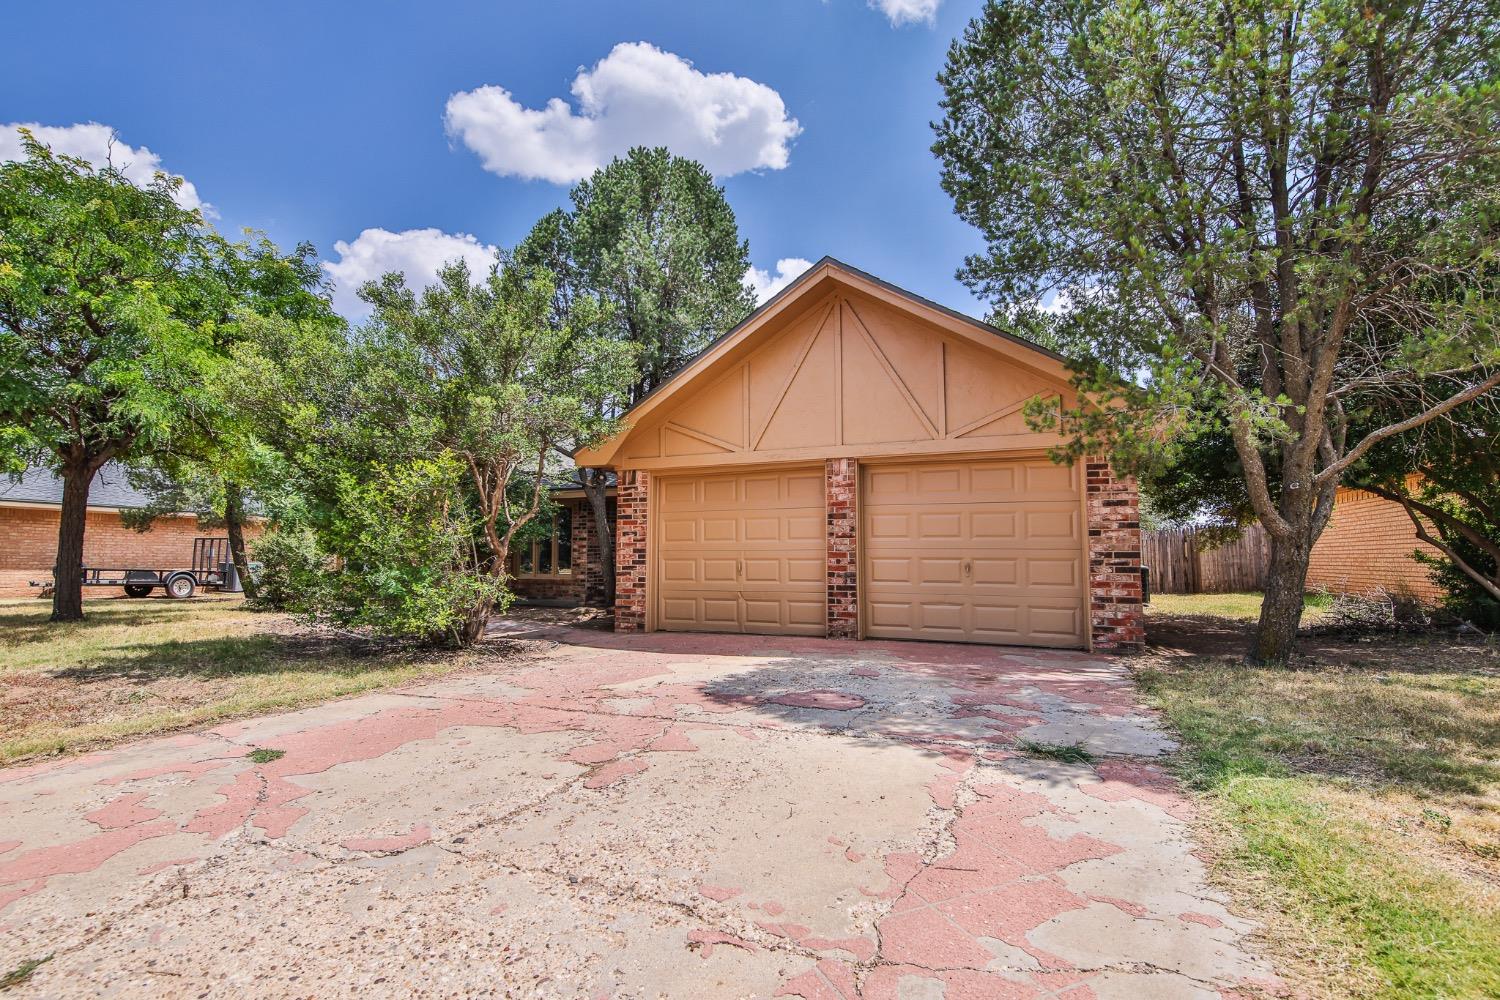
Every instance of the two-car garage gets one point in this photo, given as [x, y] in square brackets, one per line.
[979, 550]
[854, 461]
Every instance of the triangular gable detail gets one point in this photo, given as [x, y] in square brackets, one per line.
[848, 366]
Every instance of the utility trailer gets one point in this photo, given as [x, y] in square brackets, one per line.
[212, 569]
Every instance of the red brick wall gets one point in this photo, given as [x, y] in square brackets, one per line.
[28, 544]
[1116, 618]
[585, 585]
[630, 552]
[1367, 546]
[840, 489]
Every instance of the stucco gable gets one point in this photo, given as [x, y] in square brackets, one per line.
[841, 364]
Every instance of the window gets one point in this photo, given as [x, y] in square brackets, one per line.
[550, 556]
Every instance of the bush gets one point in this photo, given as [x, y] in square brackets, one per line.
[290, 563]
[1465, 599]
[408, 565]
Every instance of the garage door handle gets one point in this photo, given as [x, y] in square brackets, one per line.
[739, 569]
[968, 566]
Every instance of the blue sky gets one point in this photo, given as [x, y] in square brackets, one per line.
[322, 121]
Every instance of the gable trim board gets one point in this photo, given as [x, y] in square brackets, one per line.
[837, 378]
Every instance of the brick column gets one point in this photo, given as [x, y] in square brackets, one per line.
[630, 551]
[588, 567]
[1116, 618]
[841, 483]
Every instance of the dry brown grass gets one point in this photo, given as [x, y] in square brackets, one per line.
[1353, 800]
[134, 667]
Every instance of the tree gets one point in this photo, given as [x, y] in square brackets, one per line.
[653, 240]
[100, 355]
[211, 466]
[458, 396]
[1446, 475]
[1247, 203]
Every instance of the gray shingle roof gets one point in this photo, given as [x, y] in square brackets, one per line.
[40, 486]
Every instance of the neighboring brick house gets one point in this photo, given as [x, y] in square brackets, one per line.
[29, 514]
[1368, 546]
[854, 461]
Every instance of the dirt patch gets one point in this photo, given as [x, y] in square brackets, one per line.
[1207, 635]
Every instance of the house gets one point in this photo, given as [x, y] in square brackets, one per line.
[1367, 547]
[30, 511]
[853, 460]
[565, 567]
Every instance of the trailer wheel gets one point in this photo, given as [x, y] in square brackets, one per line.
[138, 589]
[181, 586]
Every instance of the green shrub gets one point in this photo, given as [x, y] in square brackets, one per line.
[290, 563]
[408, 565]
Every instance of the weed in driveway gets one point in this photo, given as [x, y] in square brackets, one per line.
[1065, 753]
[263, 755]
[22, 972]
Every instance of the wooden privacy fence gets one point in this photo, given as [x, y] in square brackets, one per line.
[1179, 565]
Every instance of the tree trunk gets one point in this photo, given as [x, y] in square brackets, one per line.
[474, 624]
[594, 488]
[234, 527]
[67, 573]
[1281, 607]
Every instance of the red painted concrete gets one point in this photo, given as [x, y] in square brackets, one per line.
[624, 705]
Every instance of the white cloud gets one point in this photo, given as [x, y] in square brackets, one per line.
[416, 253]
[767, 284]
[907, 11]
[98, 145]
[637, 95]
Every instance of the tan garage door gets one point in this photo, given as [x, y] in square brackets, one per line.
[742, 552]
[974, 551]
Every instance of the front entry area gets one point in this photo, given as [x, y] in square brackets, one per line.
[982, 550]
[742, 552]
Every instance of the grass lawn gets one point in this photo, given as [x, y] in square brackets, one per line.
[134, 667]
[1353, 801]
[1239, 607]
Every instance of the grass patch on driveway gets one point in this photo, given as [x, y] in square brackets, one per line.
[1356, 804]
[135, 667]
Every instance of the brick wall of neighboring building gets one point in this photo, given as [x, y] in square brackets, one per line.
[840, 489]
[630, 551]
[1368, 546]
[1116, 617]
[28, 544]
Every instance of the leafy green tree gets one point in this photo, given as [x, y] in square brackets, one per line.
[1446, 475]
[652, 239]
[211, 467]
[1244, 202]
[472, 373]
[102, 354]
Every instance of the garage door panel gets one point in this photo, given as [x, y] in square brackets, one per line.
[994, 525]
[940, 571]
[1059, 572]
[975, 481]
[1052, 525]
[742, 552]
[981, 551]
[1060, 622]
[996, 571]
[939, 616]
[805, 528]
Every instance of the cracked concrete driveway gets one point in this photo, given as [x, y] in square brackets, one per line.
[637, 816]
